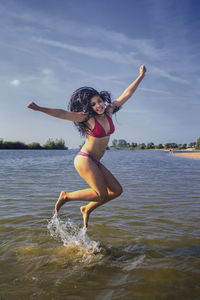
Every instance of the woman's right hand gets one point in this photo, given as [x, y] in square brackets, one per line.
[33, 106]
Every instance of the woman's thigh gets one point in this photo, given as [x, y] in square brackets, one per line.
[111, 182]
[92, 174]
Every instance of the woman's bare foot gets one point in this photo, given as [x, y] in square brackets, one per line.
[85, 214]
[61, 200]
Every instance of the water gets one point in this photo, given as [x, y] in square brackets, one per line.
[143, 245]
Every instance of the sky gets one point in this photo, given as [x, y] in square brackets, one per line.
[49, 48]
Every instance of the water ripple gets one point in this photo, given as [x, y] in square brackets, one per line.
[143, 245]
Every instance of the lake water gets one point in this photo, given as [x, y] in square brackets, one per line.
[143, 245]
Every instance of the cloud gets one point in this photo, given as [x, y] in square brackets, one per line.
[15, 82]
[114, 46]
[157, 91]
[135, 111]
[81, 32]
[47, 72]
[165, 74]
[115, 56]
[123, 57]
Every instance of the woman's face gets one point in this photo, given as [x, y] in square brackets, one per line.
[97, 105]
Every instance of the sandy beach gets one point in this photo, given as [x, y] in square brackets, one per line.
[194, 155]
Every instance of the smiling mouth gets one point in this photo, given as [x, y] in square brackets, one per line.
[100, 109]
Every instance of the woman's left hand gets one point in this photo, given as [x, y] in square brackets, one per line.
[143, 70]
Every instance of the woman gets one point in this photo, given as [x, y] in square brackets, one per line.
[92, 114]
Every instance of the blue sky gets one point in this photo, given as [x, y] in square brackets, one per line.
[50, 48]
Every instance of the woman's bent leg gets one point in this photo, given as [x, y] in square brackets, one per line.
[101, 181]
[104, 187]
[91, 173]
[81, 195]
[113, 186]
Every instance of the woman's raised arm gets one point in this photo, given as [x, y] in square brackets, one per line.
[59, 113]
[131, 89]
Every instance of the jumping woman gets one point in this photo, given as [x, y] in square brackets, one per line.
[91, 112]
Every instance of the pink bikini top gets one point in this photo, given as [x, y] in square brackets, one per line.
[98, 130]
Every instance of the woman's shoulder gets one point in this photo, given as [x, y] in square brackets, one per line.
[111, 108]
[91, 121]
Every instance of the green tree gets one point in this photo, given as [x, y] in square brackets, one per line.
[171, 145]
[198, 144]
[58, 144]
[34, 146]
[114, 143]
[122, 143]
[150, 146]
[159, 146]
[49, 144]
[141, 146]
[133, 145]
[192, 145]
[1, 143]
[182, 146]
[14, 145]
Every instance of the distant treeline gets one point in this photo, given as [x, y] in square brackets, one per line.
[123, 144]
[58, 144]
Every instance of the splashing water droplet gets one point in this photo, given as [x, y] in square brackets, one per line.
[72, 235]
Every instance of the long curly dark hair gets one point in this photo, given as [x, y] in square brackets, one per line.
[80, 102]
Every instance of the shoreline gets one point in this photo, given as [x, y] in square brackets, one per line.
[192, 155]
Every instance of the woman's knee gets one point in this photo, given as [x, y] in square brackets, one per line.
[103, 195]
[118, 191]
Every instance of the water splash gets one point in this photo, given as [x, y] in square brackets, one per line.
[72, 236]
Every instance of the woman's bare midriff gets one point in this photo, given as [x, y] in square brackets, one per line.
[95, 146]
